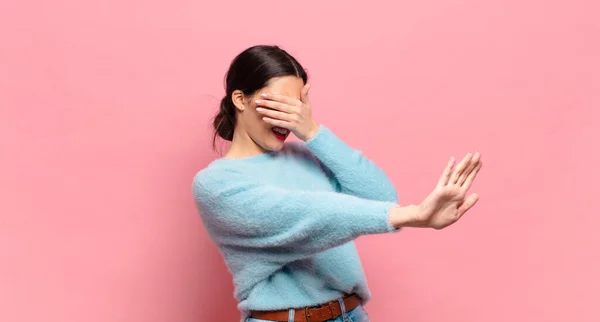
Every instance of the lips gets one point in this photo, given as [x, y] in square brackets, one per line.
[280, 133]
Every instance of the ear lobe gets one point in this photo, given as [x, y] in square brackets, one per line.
[238, 99]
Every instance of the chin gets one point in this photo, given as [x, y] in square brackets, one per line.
[274, 146]
[272, 141]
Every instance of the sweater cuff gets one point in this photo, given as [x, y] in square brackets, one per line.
[378, 222]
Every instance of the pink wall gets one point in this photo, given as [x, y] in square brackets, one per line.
[104, 112]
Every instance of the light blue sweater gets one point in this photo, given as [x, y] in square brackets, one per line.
[285, 221]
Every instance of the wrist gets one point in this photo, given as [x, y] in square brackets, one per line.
[313, 131]
[405, 216]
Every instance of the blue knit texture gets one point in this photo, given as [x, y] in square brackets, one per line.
[285, 221]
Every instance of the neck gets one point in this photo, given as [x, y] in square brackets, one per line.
[243, 146]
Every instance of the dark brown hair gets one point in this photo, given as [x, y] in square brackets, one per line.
[249, 72]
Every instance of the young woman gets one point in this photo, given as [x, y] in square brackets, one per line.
[284, 215]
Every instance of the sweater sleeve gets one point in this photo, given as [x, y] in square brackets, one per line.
[355, 174]
[279, 223]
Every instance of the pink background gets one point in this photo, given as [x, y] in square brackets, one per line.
[104, 120]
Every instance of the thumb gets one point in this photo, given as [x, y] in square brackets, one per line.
[467, 204]
[304, 94]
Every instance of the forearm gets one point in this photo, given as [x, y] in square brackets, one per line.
[356, 174]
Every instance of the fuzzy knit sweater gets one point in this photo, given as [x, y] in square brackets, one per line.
[285, 221]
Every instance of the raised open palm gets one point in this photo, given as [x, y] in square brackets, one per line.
[449, 201]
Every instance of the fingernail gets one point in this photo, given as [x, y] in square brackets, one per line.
[258, 109]
[263, 95]
[257, 101]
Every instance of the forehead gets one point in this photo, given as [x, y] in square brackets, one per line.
[285, 85]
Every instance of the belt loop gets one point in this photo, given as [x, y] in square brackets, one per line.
[343, 307]
[291, 315]
[306, 314]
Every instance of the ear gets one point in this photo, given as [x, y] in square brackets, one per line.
[238, 99]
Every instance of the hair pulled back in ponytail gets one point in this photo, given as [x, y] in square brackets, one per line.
[224, 121]
[249, 72]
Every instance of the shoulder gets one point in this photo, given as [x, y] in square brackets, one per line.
[209, 180]
[223, 173]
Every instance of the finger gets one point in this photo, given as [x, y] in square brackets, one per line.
[304, 94]
[460, 168]
[467, 204]
[276, 106]
[472, 176]
[472, 164]
[275, 114]
[446, 174]
[279, 123]
[281, 98]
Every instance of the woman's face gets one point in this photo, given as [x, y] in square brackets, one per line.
[250, 123]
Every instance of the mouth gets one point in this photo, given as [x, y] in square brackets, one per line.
[280, 133]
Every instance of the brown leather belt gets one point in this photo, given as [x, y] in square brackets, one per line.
[327, 311]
